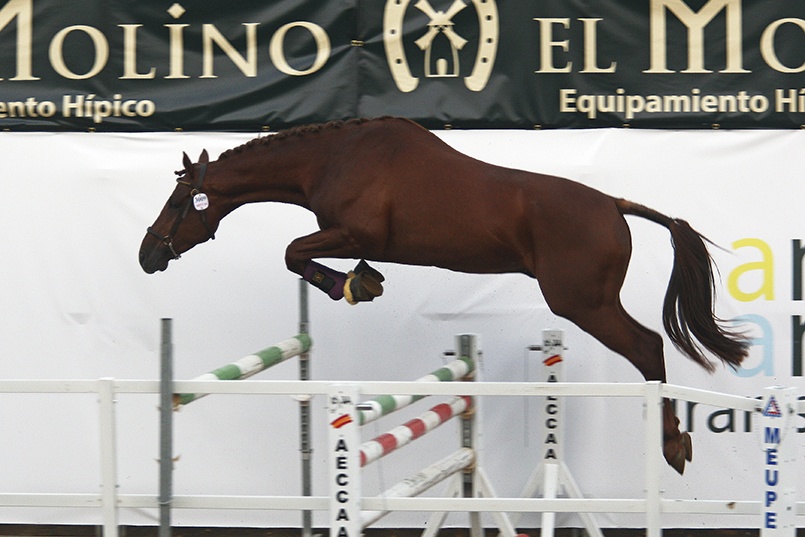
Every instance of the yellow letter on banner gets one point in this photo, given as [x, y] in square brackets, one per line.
[766, 265]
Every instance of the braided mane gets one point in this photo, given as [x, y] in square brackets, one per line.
[294, 132]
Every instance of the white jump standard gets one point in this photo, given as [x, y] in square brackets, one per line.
[348, 455]
[553, 475]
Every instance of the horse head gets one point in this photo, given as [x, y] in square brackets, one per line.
[189, 217]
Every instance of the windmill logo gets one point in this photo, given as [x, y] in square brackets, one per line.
[440, 26]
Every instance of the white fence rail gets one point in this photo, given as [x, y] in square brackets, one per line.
[653, 505]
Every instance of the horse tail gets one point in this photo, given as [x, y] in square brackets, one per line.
[688, 311]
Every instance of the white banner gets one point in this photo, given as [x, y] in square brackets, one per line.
[77, 305]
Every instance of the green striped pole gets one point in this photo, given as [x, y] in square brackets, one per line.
[249, 365]
[369, 411]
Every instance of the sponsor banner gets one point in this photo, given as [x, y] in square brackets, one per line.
[217, 65]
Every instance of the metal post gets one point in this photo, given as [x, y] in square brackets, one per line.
[304, 412]
[166, 429]
[467, 346]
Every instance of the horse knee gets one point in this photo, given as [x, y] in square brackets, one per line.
[295, 263]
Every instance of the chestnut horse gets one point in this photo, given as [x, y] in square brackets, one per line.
[389, 190]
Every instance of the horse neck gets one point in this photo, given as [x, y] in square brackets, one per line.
[274, 172]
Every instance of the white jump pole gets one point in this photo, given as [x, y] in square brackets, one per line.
[108, 436]
[423, 480]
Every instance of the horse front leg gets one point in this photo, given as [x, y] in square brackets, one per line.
[362, 284]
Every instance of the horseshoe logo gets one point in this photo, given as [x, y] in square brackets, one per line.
[440, 22]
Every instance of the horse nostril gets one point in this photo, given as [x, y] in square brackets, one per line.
[142, 257]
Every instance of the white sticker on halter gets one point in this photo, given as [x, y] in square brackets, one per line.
[201, 201]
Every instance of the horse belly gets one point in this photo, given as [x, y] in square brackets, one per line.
[474, 258]
[475, 239]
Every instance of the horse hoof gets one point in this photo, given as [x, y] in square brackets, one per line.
[675, 458]
[687, 443]
[678, 450]
[363, 268]
[362, 287]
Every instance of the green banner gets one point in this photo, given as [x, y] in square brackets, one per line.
[118, 65]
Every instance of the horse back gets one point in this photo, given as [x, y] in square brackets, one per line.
[413, 199]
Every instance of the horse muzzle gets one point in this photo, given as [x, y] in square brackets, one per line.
[155, 257]
[152, 263]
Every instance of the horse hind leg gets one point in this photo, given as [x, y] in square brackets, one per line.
[362, 284]
[677, 445]
[616, 329]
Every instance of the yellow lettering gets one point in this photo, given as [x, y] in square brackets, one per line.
[765, 266]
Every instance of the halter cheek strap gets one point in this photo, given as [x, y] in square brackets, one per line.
[199, 205]
[198, 199]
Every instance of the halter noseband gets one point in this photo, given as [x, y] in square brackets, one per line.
[199, 200]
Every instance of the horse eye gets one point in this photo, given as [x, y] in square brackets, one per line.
[175, 201]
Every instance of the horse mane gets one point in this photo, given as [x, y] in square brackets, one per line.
[296, 132]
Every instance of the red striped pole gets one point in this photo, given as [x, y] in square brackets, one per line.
[411, 430]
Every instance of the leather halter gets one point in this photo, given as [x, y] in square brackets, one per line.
[195, 189]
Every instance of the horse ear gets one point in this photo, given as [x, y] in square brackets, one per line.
[186, 162]
[204, 157]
